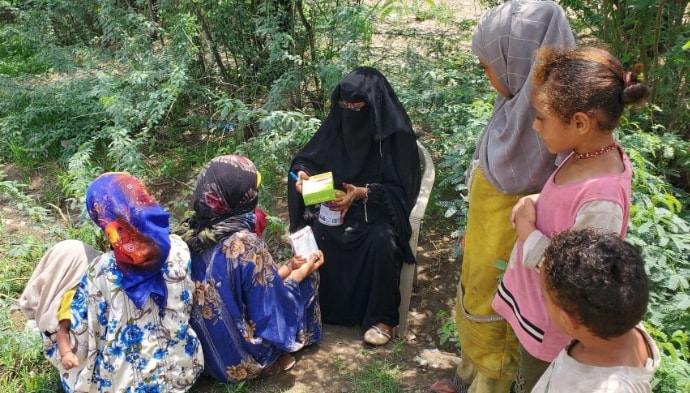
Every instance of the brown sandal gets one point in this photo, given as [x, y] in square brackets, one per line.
[456, 385]
[285, 362]
[444, 386]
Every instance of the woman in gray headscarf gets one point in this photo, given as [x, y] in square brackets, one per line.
[509, 162]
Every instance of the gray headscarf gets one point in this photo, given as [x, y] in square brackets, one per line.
[512, 157]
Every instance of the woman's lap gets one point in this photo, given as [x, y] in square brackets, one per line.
[360, 276]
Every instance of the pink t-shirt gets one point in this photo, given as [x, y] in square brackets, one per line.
[519, 299]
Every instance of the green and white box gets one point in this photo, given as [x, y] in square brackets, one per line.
[319, 188]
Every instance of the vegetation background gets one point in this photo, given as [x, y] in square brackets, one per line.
[159, 87]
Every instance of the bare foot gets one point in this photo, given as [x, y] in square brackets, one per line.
[285, 362]
[456, 385]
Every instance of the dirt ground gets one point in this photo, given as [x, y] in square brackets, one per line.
[329, 366]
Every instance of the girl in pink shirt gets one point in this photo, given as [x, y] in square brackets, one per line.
[579, 95]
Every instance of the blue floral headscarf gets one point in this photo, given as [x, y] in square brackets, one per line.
[138, 231]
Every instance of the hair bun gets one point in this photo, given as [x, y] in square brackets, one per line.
[634, 92]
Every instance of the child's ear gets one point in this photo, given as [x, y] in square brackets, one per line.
[569, 322]
[581, 122]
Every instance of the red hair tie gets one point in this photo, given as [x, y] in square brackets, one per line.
[627, 79]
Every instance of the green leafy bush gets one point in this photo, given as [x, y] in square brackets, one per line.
[660, 227]
[654, 34]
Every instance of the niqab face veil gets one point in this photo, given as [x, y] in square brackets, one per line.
[346, 138]
[138, 231]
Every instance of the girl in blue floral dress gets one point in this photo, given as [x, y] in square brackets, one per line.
[249, 312]
[130, 313]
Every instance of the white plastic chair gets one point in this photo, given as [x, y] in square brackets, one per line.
[408, 274]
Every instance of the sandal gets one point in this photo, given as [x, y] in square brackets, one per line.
[456, 385]
[376, 336]
[285, 362]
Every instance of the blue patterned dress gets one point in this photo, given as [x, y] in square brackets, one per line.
[125, 349]
[244, 313]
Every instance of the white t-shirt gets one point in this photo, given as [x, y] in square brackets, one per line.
[567, 375]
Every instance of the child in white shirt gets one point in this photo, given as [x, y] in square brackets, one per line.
[597, 291]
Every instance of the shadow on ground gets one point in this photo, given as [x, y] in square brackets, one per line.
[333, 365]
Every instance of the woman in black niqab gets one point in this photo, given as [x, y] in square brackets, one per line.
[372, 152]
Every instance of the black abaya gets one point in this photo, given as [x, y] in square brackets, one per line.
[373, 147]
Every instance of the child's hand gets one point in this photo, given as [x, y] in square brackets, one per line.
[296, 262]
[524, 218]
[314, 262]
[317, 259]
[69, 360]
[520, 203]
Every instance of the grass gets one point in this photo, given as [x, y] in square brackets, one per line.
[377, 376]
[373, 376]
[28, 230]
[14, 276]
[448, 332]
[22, 365]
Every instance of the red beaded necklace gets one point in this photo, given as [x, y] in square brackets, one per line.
[596, 153]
